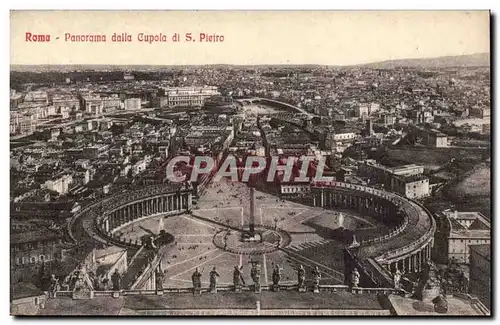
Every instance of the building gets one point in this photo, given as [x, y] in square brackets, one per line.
[22, 124]
[456, 231]
[369, 127]
[111, 103]
[335, 137]
[294, 189]
[430, 137]
[373, 107]
[65, 111]
[480, 273]
[412, 187]
[14, 122]
[70, 102]
[480, 112]
[93, 105]
[37, 97]
[187, 96]
[95, 151]
[362, 110]
[407, 170]
[15, 98]
[36, 246]
[26, 299]
[132, 103]
[209, 135]
[82, 176]
[344, 136]
[407, 180]
[60, 184]
[128, 76]
[138, 167]
[389, 119]
[421, 116]
[437, 139]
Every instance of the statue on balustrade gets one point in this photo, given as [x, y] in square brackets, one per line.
[105, 284]
[301, 276]
[196, 279]
[464, 283]
[116, 279]
[440, 304]
[316, 277]
[355, 278]
[148, 241]
[159, 279]
[238, 279]
[447, 286]
[54, 286]
[429, 286]
[94, 280]
[65, 286]
[255, 274]
[397, 279]
[276, 277]
[213, 280]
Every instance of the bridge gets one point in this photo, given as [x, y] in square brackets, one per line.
[273, 102]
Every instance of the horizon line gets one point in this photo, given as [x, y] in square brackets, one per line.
[259, 64]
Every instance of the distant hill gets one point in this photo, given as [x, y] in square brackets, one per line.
[472, 60]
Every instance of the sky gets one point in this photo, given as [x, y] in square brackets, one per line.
[250, 37]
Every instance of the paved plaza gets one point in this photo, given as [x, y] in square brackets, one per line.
[225, 207]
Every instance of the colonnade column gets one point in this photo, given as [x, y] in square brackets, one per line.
[190, 200]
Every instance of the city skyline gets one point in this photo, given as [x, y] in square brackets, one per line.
[451, 57]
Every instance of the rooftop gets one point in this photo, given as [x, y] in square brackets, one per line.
[24, 289]
[456, 307]
[483, 250]
[109, 250]
[412, 178]
[32, 236]
[283, 300]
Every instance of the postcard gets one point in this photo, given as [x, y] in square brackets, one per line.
[250, 163]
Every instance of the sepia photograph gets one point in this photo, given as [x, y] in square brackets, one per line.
[250, 163]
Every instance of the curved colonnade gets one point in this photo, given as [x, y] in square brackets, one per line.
[407, 246]
[129, 207]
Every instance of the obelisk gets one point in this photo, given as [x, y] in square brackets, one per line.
[251, 224]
